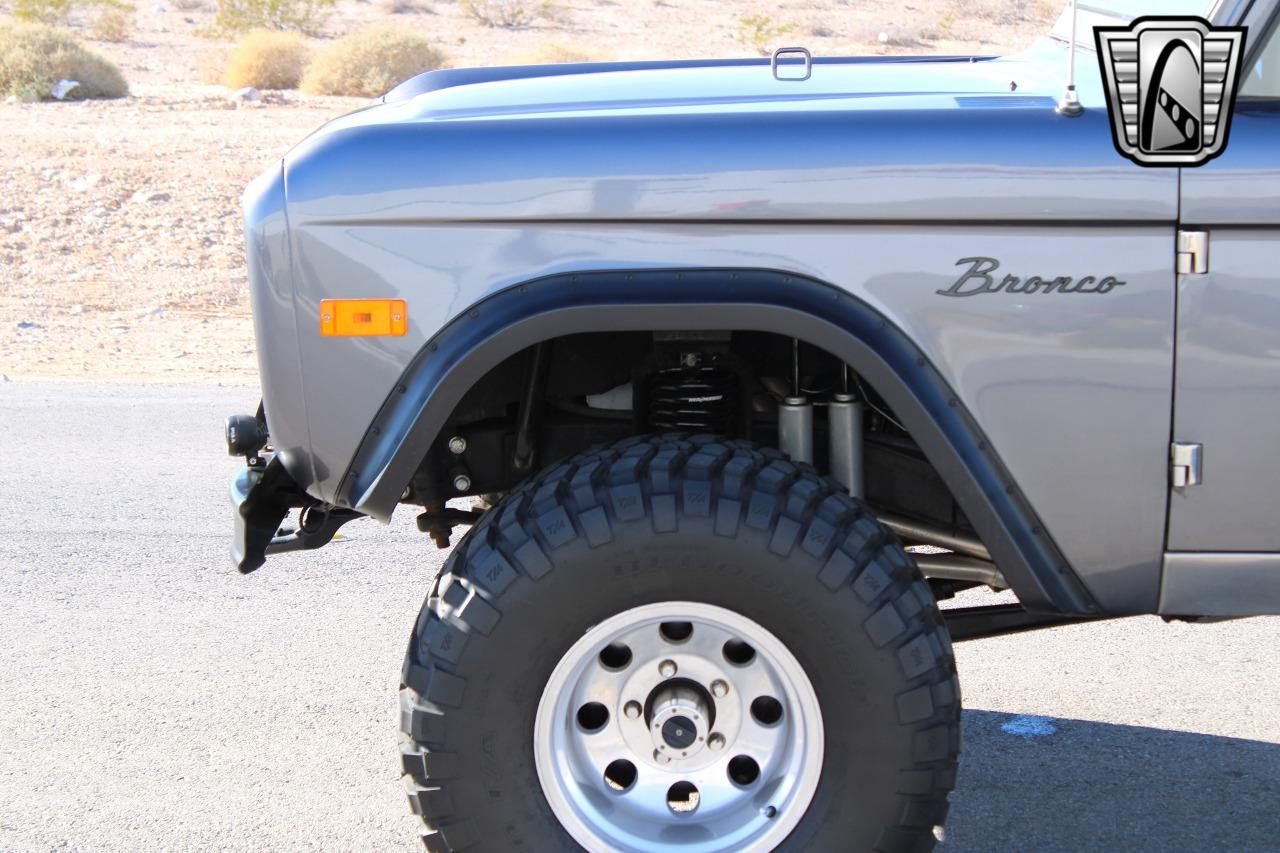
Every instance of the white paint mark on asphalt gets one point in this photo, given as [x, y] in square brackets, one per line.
[1029, 726]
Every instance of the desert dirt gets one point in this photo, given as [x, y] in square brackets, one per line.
[121, 253]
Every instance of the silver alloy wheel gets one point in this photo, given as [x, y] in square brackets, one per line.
[678, 726]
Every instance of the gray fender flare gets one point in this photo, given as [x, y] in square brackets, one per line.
[784, 303]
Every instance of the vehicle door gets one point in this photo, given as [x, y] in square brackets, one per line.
[1227, 355]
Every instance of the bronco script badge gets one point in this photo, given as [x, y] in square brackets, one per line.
[1170, 84]
[978, 279]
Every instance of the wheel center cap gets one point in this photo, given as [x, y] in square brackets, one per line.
[680, 719]
[679, 732]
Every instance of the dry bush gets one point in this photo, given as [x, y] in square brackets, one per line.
[34, 57]
[931, 32]
[371, 62]
[305, 16]
[113, 24]
[188, 5]
[507, 14]
[57, 11]
[42, 11]
[759, 32]
[947, 25]
[267, 59]
[555, 53]
[402, 7]
[555, 14]
[896, 36]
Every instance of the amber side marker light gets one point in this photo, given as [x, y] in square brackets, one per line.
[345, 318]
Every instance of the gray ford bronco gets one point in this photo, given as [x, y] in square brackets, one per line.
[731, 371]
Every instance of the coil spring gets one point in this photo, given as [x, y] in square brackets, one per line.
[701, 399]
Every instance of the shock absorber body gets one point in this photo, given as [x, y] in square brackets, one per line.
[844, 434]
[795, 428]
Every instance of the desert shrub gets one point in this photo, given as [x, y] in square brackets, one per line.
[402, 7]
[551, 53]
[370, 62]
[914, 35]
[113, 24]
[555, 14]
[42, 11]
[305, 16]
[56, 11]
[508, 14]
[759, 32]
[34, 57]
[188, 5]
[267, 59]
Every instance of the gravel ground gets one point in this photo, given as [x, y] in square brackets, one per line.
[152, 699]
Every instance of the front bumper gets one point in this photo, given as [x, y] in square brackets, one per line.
[261, 496]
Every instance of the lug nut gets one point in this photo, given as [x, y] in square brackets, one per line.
[716, 741]
[661, 758]
[457, 445]
[719, 689]
[632, 710]
[462, 483]
[667, 668]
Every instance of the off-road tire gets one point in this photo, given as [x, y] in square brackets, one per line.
[689, 518]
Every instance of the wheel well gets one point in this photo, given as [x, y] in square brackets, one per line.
[539, 351]
[565, 394]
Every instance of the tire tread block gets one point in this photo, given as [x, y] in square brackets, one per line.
[450, 838]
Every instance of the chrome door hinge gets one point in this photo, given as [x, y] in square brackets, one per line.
[1193, 252]
[1185, 463]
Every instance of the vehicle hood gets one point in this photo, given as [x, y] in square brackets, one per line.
[861, 139]
[736, 86]
[732, 89]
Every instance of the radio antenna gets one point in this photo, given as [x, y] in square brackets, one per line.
[1069, 103]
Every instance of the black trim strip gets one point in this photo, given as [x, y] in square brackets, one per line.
[976, 623]
[759, 300]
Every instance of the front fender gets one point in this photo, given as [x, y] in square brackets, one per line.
[714, 299]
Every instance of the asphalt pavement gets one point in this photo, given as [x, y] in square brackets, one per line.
[151, 698]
